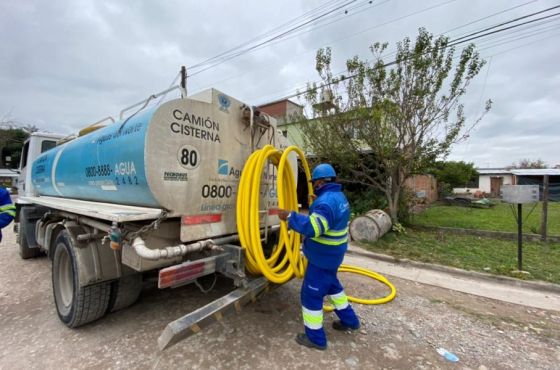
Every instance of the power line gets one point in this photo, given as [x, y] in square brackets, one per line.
[489, 16]
[246, 50]
[506, 39]
[458, 38]
[336, 18]
[508, 22]
[375, 26]
[301, 33]
[262, 36]
[526, 44]
[379, 25]
[502, 29]
[455, 42]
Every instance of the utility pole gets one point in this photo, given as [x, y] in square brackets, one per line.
[184, 80]
[544, 213]
[519, 237]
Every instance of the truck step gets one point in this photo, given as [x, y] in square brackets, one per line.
[193, 322]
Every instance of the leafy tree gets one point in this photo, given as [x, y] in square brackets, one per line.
[455, 173]
[389, 120]
[12, 136]
[11, 143]
[529, 163]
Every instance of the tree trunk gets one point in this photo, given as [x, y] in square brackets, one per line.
[392, 195]
[393, 210]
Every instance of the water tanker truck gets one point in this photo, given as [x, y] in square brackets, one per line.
[150, 192]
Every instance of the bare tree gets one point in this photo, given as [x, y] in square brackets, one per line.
[529, 163]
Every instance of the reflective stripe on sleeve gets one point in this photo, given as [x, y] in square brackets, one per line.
[315, 225]
[323, 221]
[9, 209]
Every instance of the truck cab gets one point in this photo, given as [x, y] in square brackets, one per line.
[36, 144]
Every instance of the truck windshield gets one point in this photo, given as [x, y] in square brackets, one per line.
[47, 144]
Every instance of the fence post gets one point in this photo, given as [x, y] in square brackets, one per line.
[544, 213]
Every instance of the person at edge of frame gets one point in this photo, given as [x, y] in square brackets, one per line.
[7, 209]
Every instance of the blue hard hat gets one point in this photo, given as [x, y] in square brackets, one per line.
[322, 171]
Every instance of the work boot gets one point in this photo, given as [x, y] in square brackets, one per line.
[302, 339]
[338, 325]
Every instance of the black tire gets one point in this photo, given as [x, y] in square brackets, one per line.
[25, 251]
[75, 306]
[124, 292]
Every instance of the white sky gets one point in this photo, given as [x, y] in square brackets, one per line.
[65, 64]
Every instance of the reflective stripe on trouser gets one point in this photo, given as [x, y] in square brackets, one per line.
[318, 283]
[343, 310]
[339, 300]
[312, 319]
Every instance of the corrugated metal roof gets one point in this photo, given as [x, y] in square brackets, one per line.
[493, 171]
[537, 172]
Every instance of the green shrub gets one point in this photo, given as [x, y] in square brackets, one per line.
[444, 190]
[362, 201]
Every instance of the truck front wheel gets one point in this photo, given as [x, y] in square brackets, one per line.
[75, 305]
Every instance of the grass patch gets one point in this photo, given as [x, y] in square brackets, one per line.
[474, 253]
[498, 218]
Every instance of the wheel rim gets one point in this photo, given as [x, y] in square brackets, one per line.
[65, 278]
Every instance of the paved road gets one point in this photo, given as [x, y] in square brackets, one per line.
[403, 334]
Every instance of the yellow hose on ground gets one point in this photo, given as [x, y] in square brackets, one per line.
[280, 267]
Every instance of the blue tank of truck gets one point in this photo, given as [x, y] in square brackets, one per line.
[107, 165]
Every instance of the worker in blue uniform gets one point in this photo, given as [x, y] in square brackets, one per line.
[325, 232]
[7, 209]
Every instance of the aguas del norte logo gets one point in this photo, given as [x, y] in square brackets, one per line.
[224, 103]
[225, 169]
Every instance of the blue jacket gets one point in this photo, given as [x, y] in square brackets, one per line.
[325, 230]
[7, 209]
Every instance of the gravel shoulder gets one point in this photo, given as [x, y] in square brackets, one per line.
[403, 334]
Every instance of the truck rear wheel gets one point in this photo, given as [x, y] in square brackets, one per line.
[75, 305]
[124, 292]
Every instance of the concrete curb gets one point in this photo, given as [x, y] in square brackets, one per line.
[533, 285]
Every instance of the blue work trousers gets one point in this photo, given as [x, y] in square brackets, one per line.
[318, 283]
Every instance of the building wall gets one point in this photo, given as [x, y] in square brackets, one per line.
[423, 186]
[294, 135]
[293, 109]
[484, 181]
[276, 110]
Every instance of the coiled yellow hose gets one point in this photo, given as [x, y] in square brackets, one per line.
[280, 267]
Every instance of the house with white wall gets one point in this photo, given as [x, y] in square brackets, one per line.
[490, 180]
